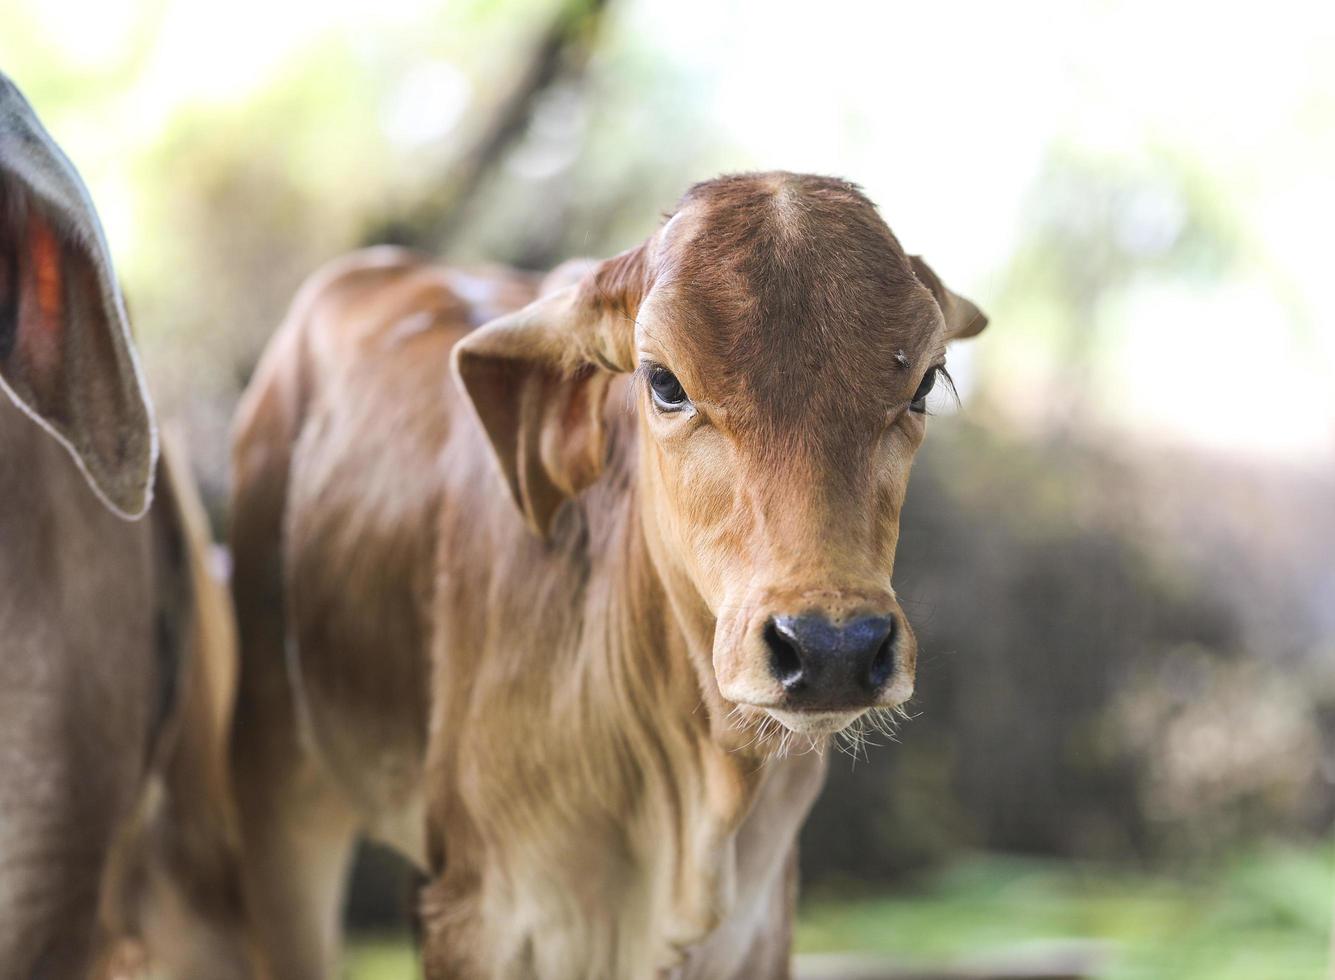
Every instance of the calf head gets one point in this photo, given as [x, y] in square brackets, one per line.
[782, 347]
[65, 353]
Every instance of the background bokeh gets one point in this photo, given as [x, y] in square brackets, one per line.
[1118, 545]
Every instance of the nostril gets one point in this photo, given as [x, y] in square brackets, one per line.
[883, 663]
[785, 662]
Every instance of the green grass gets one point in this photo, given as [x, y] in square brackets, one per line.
[1265, 915]
[381, 958]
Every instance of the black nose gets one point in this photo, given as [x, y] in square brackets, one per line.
[820, 664]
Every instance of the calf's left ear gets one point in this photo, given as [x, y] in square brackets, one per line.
[963, 319]
[537, 380]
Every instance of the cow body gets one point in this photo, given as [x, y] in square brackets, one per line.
[117, 646]
[80, 680]
[117, 666]
[538, 703]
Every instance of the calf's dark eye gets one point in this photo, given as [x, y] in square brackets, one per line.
[668, 393]
[919, 403]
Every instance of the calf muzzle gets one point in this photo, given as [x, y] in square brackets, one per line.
[828, 665]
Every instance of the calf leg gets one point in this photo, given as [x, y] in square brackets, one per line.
[297, 829]
[298, 838]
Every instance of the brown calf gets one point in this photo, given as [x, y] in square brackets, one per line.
[116, 646]
[548, 627]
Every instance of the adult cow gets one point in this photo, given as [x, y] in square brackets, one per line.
[117, 656]
[544, 626]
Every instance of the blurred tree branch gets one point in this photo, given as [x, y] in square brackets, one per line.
[560, 53]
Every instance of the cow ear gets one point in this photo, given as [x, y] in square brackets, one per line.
[537, 380]
[963, 319]
[65, 352]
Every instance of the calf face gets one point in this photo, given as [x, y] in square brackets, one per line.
[782, 346]
[65, 353]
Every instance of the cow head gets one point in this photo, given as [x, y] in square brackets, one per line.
[65, 353]
[782, 347]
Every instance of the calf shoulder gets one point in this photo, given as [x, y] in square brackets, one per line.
[337, 455]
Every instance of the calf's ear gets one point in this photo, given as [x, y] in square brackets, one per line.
[963, 319]
[66, 357]
[537, 380]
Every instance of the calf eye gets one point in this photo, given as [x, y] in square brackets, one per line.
[919, 403]
[668, 393]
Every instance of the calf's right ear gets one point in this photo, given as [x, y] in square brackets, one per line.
[963, 319]
[65, 352]
[537, 380]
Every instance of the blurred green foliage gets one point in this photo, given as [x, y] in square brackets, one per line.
[1261, 914]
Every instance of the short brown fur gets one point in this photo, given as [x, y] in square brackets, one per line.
[514, 626]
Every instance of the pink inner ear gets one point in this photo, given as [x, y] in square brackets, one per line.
[41, 309]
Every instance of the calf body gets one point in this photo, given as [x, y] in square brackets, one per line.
[529, 627]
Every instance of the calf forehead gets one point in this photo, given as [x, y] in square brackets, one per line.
[792, 304]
